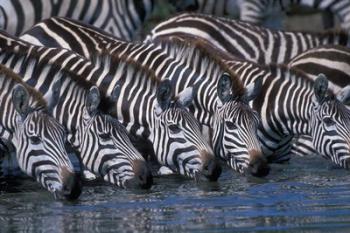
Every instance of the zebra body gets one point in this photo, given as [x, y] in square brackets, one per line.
[269, 13]
[292, 107]
[256, 11]
[239, 147]
[333, 61]
[38, 139]
[122, 18]
[244, 40]
[156, 117]
[101, 141]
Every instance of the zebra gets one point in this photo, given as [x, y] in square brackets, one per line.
[331, 60]
[122, 18]
[244, 40]
[240, 149]
[256, 11]
[154, 116]
[269, 13]
[37, 138]
[100, 140]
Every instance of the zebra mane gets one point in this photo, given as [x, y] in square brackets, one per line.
[36, 95]
[189, 47]
[118, 59]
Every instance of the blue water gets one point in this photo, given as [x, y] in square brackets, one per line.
[306, 195]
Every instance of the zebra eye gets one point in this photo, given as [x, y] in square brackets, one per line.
[231, 125]
[328, 121]
[104, 136]
[35, 140]
[174, 128]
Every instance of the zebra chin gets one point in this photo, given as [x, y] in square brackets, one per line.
[70, 186]
[211, 168]
[142, 179]
[257, 165]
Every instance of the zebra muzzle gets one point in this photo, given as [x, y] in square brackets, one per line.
[258, 165]
[211, 168]
[143, 176]
[72, 186]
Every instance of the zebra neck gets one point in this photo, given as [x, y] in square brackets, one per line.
[285, 101]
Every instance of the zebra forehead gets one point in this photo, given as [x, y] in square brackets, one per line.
[190, 47]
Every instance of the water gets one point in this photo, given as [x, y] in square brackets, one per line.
[307, 195]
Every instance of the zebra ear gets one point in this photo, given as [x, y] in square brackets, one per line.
[321, 87]
[164, 93]
[344, 95]
[253, 90]
[93, 100]
[224, 88]
[185, 97]
[20, 99]
[52, 96]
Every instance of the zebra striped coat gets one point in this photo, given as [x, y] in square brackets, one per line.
[269, 13]
[101, 141]
[245, 40]
[122, 18]
[38, 139]
[232, 124]
[333, 61]
[157, 117]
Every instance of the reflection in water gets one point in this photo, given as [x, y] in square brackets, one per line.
[307, 196]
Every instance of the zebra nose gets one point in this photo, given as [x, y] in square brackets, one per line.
[258, 165]
[72, 186]
[143, 176]
[211, 168]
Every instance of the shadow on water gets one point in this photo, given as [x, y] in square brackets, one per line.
[306, 195]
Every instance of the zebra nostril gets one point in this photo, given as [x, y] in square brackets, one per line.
[259, 167]
[143, 177]
[212, 170]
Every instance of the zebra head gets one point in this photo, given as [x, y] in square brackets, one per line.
[235, 128]
[177, 137]
[40, 147]
[106, 150]
[330, 123]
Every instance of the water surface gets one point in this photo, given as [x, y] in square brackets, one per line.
[306, 195]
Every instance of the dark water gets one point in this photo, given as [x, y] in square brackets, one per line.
[307, 195]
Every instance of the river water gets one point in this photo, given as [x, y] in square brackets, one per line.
[306, 195]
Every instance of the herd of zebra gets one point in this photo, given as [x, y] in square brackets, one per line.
[199, 89]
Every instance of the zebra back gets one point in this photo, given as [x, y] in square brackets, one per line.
[122, 18]
[245, 40]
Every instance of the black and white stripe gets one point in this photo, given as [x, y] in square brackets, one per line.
[38, 139]
[157, 117]
[122, 18]
[294, 105]
[257, 11]
[269, 13]
[232, 123]
[101, 141]
[245, 40]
